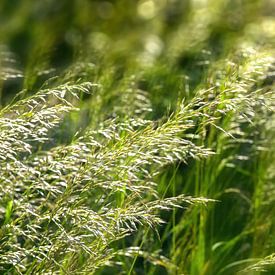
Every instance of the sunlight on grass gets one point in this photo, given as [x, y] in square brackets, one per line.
[137, 137]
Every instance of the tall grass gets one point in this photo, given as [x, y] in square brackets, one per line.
[137, 137]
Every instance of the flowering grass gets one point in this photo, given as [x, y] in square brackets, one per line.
[137, 137]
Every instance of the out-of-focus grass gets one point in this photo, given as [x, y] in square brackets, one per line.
[146, 58]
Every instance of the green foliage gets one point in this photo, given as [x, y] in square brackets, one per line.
[137, 137]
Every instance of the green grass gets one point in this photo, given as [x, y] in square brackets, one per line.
[137, 137]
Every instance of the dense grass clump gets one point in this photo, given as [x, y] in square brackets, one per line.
[137, 137]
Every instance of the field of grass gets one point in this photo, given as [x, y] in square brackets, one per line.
[137, 137]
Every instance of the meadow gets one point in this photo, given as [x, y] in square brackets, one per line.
[137, 137]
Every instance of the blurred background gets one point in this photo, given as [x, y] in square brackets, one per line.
[41, 39]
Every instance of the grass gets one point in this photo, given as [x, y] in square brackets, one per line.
[137, 137]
